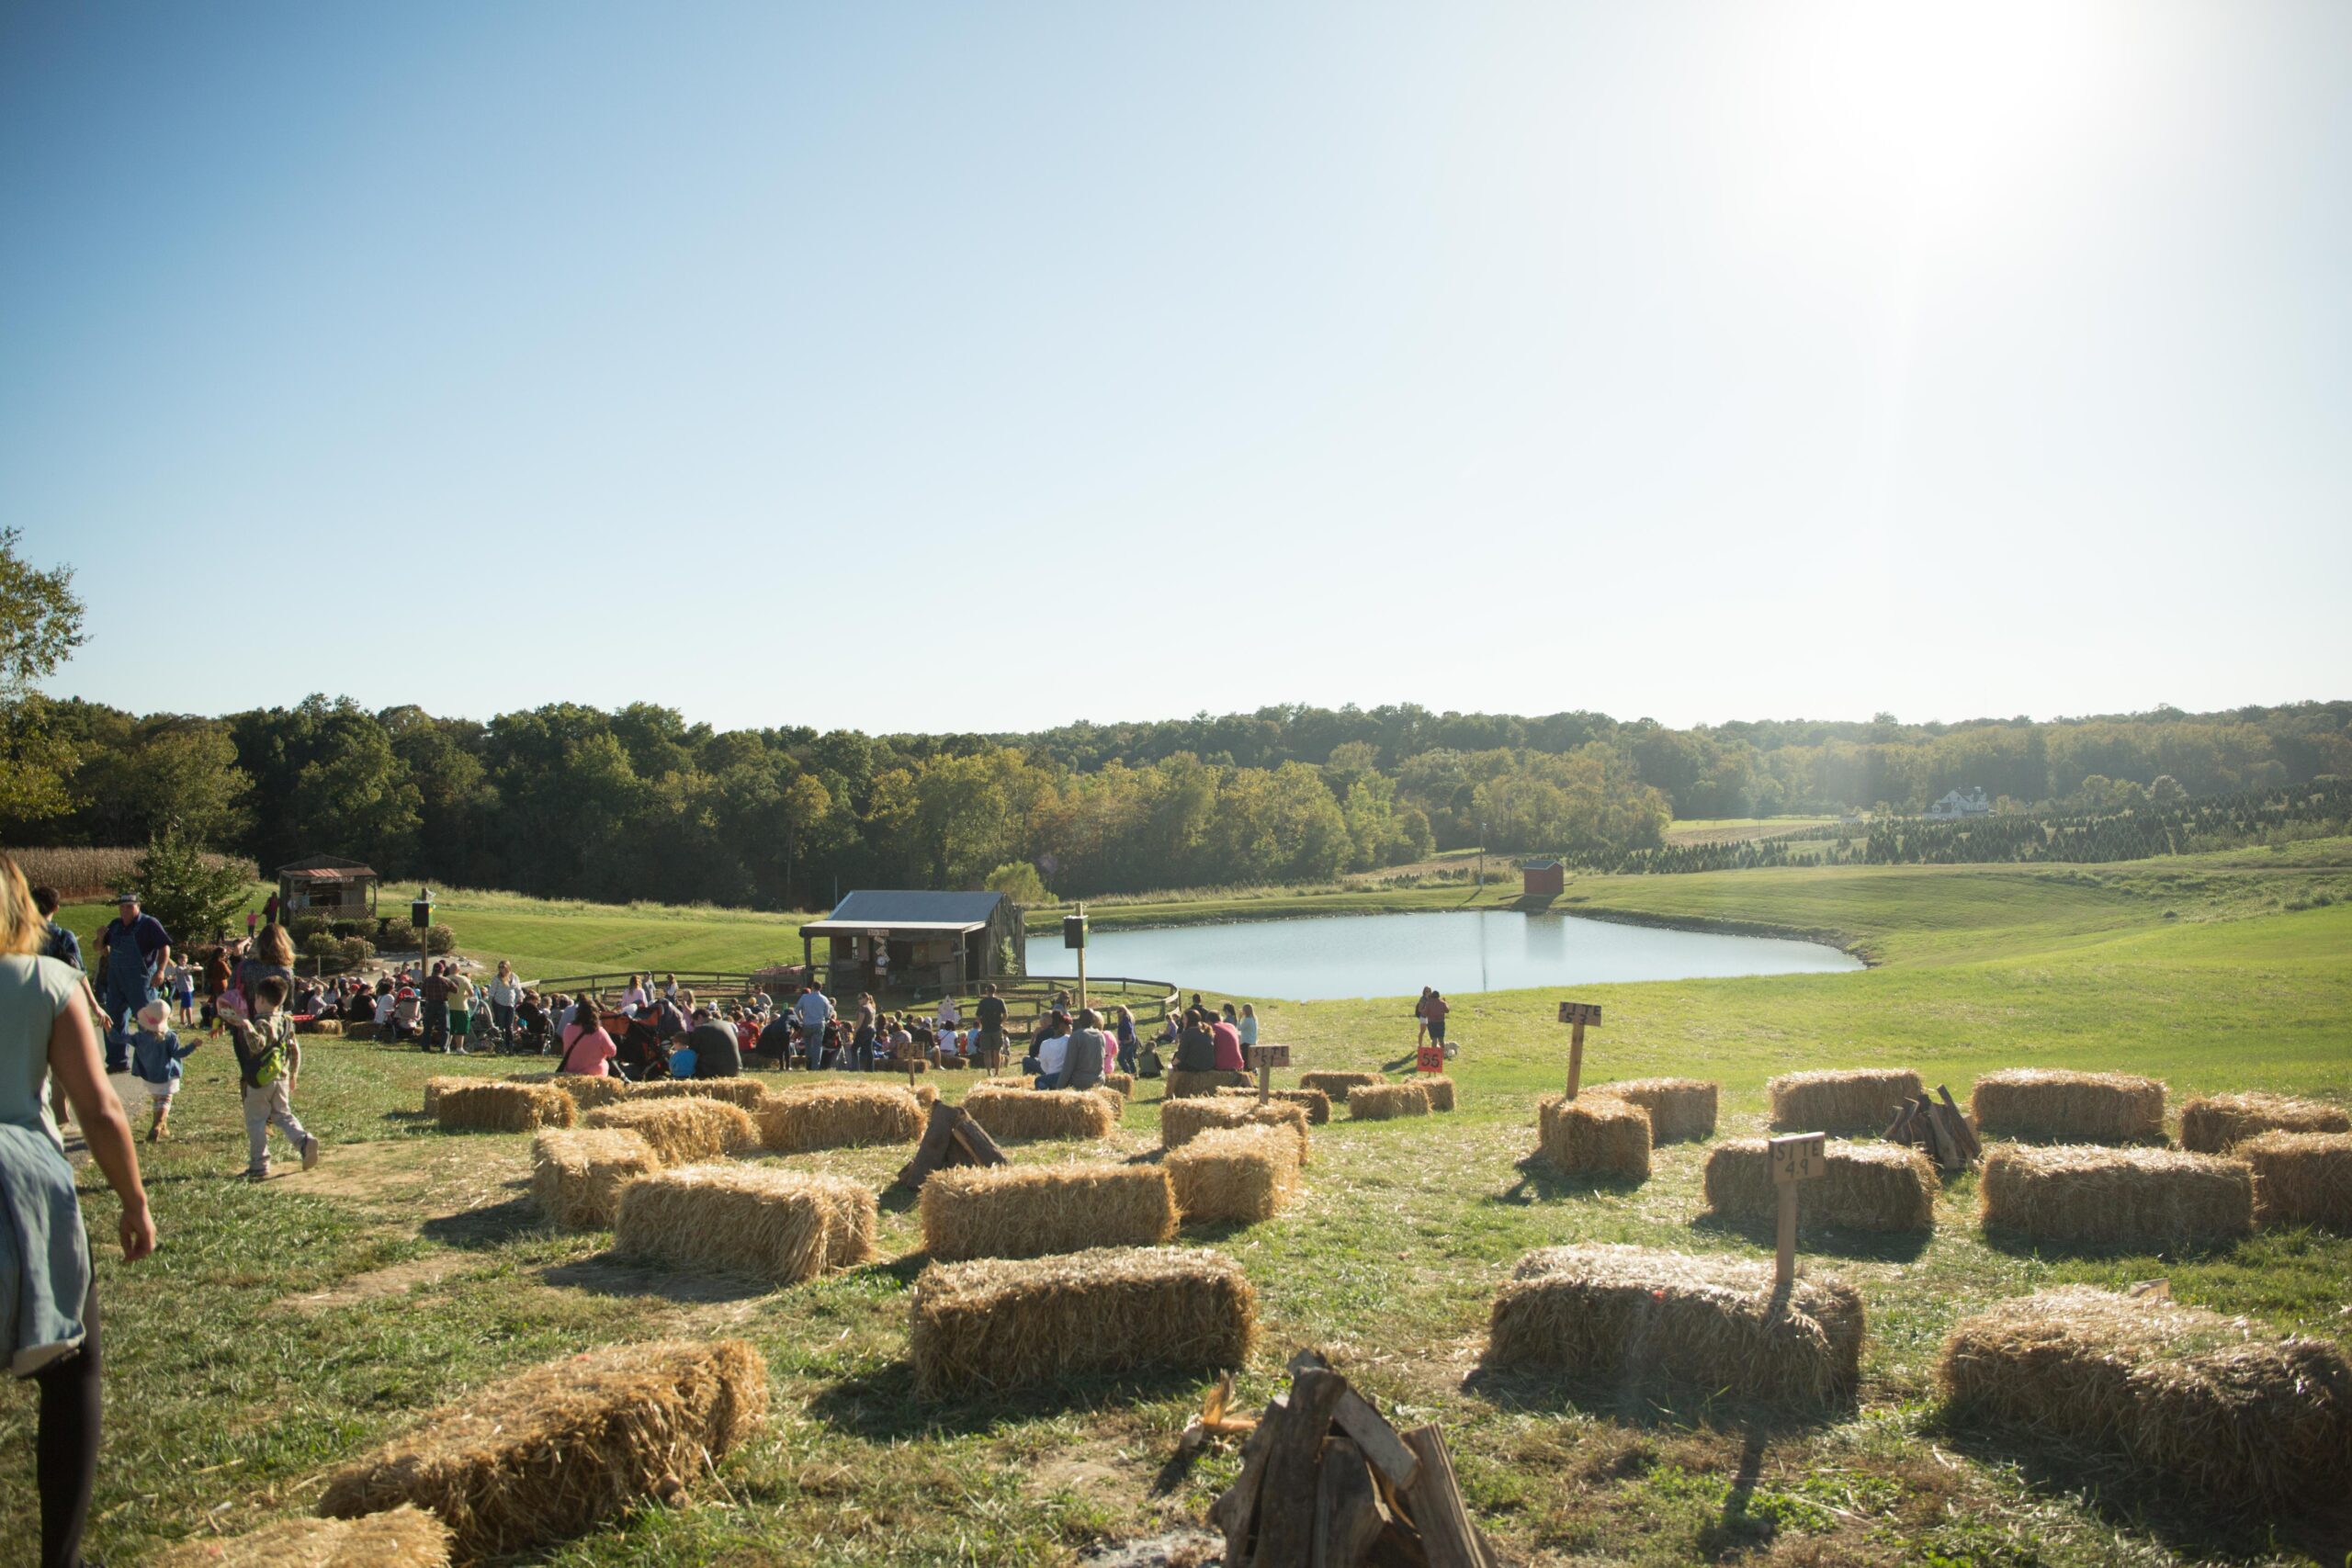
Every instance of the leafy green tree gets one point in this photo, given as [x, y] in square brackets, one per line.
[196, 897]
[40, 623]
[1018, 881]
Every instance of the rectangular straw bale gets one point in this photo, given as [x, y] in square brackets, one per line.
[590, 1090]
[1183, 1085]
[1338, 1086]
[1870, 1186]
[1123, 1082]
[2079, 1108]
[1013, 1113]
[1595, 1136]
[682, 1131]
[1385, 1101]
[1314, 1101]
[781, 1225]
[2301, 1178]
[996, 1323]
[1028, 1211]
[839, 1115]
[1636, 1314]
[1859, 1099]
[2211, 1123]
[577, 1176]
[503, 1107]
[1240, 1174]
[435, 1087]
[1181, 1121]
[1682, 1110]
[550, 1452]
[749, 1093]
[405, 1537]
[2087, 1194]
[2232, 1409]
[1440, 1088]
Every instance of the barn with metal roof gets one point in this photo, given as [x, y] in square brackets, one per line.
[908, 940]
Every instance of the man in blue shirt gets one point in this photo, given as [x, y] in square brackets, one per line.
[133, 948]
[59, 943]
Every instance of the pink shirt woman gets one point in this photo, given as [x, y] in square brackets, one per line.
[588, 1050]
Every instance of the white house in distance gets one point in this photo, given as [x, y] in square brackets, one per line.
[1955, 805]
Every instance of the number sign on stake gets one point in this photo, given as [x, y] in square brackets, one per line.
[1800, 1156]
[1575, 1015]
[1265, 1059]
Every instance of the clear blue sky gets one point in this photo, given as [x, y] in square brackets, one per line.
[989, 367]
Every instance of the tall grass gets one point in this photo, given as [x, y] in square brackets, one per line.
[86, 873]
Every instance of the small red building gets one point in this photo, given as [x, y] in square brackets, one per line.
[1543, 878]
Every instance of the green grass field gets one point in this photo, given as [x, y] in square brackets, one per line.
[281, 1328]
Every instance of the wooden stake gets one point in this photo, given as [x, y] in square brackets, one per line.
[1575, 1015]
[1795, 1159]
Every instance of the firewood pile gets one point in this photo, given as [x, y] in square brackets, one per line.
[1937, 1126]
[1327, 1483]
[952, 1138]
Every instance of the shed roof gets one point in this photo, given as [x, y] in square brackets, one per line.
[328, 868]
[907, 910]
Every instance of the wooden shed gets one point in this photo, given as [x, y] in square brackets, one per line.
[327, 889]
[1543, 878]
[884, 938]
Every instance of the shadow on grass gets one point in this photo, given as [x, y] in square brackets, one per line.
[1648, 1404]
[606, 1275]
[2017, 1244]
[1540, 1182]
[1839, 1241]
[478, 1230]
[882, 1405]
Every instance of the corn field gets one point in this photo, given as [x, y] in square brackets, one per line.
[85, 874]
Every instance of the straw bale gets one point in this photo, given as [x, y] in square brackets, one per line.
[1595, 1136]
[2079, 1108]
[404, 1537]
[1182, 1086]
[1682, 1110]
[682, 1131]
[1440, 1088]
[435, 1087]
[1181, 1121]
[1711, 1323]
[577, 1177]
[1008, 1113]
[2218, 1403]
[1027, 1211]
[749, 1093]
[2210, 1124]
[997, 1323]
[2301, 1178]
[548, 1453]
[326, 1028]
[590, 1090]
[1338, 1086]
[840, 1115]
[783, 1225]
[1123, 1082]
[1868, 1186]
[1236, 1174]
[530, 1078]
[503, 1107]
[1384, 1101]
[1860, 1100]
[1314, 1101]
[2090, 1194]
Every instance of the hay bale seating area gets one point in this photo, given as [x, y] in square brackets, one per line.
[749, 1093]
[1314, 1101]
[1385, 1101]
[2212, 1123]
[2089, 1194]
[1123, 1082]
[2073, 1108]
[1611, 1312]
[502, 1107]
[1870, 1186]
[404, 1537]
[779, 1225]
[435, 1087]
[577, 1176]
[997, 1323]
[681, 1131]
[2301, 1178]
[1594, 1136]
[836, 1115]
[1183, 1121]
[2208, 1400]
[1183, 1086]
[1860, 1100]
[1015, 1113]
[1338, 1086]
[545, 1455]
[1235, 1175]
[590, 1091]
[1682, 1110]
[1029, 1210]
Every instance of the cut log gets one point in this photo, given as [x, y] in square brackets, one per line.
[1287, 1498]
[1347, 1512]
[1236, 1510]
[1448, 1537]
[1970, 1143]
[1382, 1449]
[949, 1138]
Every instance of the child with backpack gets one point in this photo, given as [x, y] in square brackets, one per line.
[269, 1057]
[155, 1057]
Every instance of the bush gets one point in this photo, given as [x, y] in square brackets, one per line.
[305, 930]
[356, 951]
[394, 936]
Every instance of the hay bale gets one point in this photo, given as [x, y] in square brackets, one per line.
[405, 1537]
[1868, 1186]
[1013, 1113]
[1619, 1315]
[1338, 1086]
[326, 1028]
[1860, 1100]
[1123, 1082]
[545, 1455]
[1595, 1136]
[435, 1087]
[996, 1323]
[1314, 1101]
[1183, 1085]
[1682, 1110]
[589, 1091]
[839, 1115]
[2218, 1402]
[2075, 1108]
[1440, 1088]
[2213, 1123]
[577, 1177]
[1028, 1211]
[2090, 1194]
[749, 1093]
[1183, 1121]
[782, 1225]
[1383, 1101]
[503, 1107]
[2301, 1178]
[682, 1131]
[1240, 1174]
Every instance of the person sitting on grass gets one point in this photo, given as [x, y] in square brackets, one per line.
[269, 1058]
[1225, 1038]
[588, 1050]
[155, 1056]
[1196, 1046]
[1053, 1051]
[684, 1060]
[1082, 1062]
[643, 1058]
[718, 1052]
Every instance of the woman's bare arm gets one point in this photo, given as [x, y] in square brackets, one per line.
[74, 1057]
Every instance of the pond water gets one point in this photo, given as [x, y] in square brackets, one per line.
[1396, 955]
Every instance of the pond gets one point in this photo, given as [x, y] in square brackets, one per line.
[1396, 955]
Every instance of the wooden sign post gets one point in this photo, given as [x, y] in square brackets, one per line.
[1264, 1060]
[1797, 1157]
[1575, 1015]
